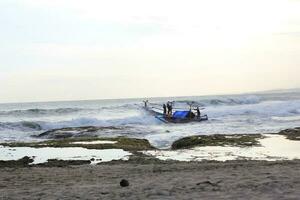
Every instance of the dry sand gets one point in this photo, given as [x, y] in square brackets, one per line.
[166, 180]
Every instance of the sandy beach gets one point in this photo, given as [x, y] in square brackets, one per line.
[157, 180]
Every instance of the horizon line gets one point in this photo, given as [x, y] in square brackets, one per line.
[152, 97]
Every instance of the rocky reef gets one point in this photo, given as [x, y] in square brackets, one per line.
[125, 143]
[23, 162]
[85, 131]
[291, 134]
[217, 140]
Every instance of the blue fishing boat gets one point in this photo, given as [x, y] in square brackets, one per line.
[176, 115]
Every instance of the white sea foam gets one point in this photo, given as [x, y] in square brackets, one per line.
[288, 118]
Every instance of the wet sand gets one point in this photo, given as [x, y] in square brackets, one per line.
[155, 180]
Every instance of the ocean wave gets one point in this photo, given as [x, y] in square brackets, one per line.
[241, 100]
[120, 107]
[234, 100]
[77, 122]
[86, 121]
[39, 112]
[263, 109]
[287, 118]
[21, 126]
[295, 111]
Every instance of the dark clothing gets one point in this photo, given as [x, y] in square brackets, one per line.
[198, 112]
[165, 109]
[170, 109]
[169, 106]
[146, 103]
[191, 115]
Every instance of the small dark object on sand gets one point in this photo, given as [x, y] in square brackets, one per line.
[104, 193]
[209, 183]
[124, 183]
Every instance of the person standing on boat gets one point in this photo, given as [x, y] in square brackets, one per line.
[198, 112]
[169, 106]
[165, 109]
[146, 103]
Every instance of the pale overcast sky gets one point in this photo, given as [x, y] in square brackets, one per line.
[93, 49]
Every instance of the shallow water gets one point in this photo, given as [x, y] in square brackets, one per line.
[273, 147]
[41, 155]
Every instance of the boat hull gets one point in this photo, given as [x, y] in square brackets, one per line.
[167, 119]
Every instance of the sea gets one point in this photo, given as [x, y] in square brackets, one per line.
[262, 112]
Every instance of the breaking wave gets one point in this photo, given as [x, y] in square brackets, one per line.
[78, 122]
[39, 112]
[235, 101]
[264, 109]
[287, 119]
[241, 100]
[22, 126]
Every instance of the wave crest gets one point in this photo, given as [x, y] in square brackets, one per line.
[22, 126]
[222, 101]
[77, 122]
[38, 112]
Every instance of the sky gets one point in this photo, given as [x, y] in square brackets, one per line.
[70, 50]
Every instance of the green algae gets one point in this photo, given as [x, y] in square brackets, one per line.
[217, 140]
[23, 162]
[127, 144]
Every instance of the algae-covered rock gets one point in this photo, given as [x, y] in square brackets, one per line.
[291, 134]
[23, 162]
[128, 144]
[217, 140]
[84, 131]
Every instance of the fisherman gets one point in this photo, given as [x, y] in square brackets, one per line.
[169, 107]
[165, 109]
[198, 112]
[146, 103]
